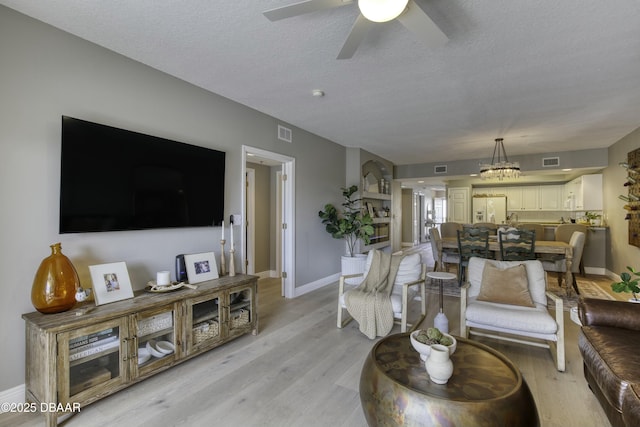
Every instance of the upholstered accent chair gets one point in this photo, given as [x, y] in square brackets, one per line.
[507, 300]
[409, 282]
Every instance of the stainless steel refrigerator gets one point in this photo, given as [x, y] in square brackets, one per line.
[490, 209]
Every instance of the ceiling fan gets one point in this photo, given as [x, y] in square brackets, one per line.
[371, 11]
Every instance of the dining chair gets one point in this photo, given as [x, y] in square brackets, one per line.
[559, 265]
[517, 245]
[563, 234]
[450, 229]
[491, 227]
[538, 228]
[472, 242]
[449, 256]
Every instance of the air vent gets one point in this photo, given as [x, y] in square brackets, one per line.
[549, 162]
[284, 134]
[440, 169]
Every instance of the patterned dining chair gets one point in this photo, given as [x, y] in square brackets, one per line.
[517, 245]
[472, 242]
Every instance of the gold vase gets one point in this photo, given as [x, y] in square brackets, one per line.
[54, 286]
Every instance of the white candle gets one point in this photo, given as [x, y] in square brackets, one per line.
[231, 234]
[162, 278]
[222, 231]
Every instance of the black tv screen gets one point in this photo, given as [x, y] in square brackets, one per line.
[113, 179]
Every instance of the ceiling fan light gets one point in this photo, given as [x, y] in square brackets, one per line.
[382, 10]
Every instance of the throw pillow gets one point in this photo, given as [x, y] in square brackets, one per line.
[508, 286]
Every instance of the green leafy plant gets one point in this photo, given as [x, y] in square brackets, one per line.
[592, 215]
[628, 283]
[350, 224]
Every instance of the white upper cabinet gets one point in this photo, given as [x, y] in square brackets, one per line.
[552, 197]
[585, 193]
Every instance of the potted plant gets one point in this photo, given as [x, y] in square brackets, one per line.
[627, 284]
[351, 225]
[593, 218]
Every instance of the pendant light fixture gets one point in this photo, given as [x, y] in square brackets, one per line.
[502, 168]
[382, 10]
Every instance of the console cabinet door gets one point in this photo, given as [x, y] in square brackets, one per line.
[156, 340]
[242, 306]
[204, 322]
[92, 360]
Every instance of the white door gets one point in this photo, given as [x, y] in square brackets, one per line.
[287, 226]
[458, 205]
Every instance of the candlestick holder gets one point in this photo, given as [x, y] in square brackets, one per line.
[232, 264]
[223, 261]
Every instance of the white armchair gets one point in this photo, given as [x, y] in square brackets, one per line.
[506, 302]
[409, 282]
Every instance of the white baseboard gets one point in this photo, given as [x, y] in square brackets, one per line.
[266, 274]
[309, 287]
[595, 270]
[13, 395]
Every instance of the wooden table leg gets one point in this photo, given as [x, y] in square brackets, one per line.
[569, 275]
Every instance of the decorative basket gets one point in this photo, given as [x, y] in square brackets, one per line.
[205, 330]
[239, 318]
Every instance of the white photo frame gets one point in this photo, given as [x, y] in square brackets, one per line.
[111, 282]
[201, 267]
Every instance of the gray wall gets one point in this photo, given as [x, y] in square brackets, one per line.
[622, 254]
[46, 73]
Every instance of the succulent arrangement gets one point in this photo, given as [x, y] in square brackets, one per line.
[433, 336]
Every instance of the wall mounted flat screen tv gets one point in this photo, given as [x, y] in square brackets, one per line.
[114, 179]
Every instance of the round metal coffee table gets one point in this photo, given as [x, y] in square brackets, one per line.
[486, 388]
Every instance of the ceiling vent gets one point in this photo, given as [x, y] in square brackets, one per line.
[284, 133]
[440, 169]
[550, 162]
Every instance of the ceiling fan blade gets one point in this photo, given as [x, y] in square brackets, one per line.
[302, 8]
[418, 22]
[359, 30]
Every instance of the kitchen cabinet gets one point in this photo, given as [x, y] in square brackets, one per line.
[82, 355]
[530, 198]
[552, 197]
[585, 193]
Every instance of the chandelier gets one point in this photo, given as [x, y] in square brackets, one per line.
[502, 168]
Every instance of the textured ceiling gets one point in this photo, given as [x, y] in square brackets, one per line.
[546, 75]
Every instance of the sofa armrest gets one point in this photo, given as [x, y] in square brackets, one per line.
[599, 312]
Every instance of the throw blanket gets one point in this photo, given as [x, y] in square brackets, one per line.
[370, 303]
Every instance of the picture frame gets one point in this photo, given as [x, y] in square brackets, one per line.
[111, 282]
[201, 267]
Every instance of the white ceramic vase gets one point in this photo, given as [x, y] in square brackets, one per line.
[439, 365]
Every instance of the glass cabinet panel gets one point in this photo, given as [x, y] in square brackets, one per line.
[155, 334]
[204, 322]
[241, 306]
[91, 358]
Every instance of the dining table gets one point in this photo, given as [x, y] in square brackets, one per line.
[541, 247]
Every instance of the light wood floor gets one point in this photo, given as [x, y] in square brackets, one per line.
[300, 370]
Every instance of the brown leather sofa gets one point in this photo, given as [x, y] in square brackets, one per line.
[609, 342]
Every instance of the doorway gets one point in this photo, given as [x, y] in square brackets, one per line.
[283, 225]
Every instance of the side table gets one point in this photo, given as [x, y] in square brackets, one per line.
[441, 322]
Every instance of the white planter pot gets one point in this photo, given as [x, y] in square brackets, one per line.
[353, 265]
